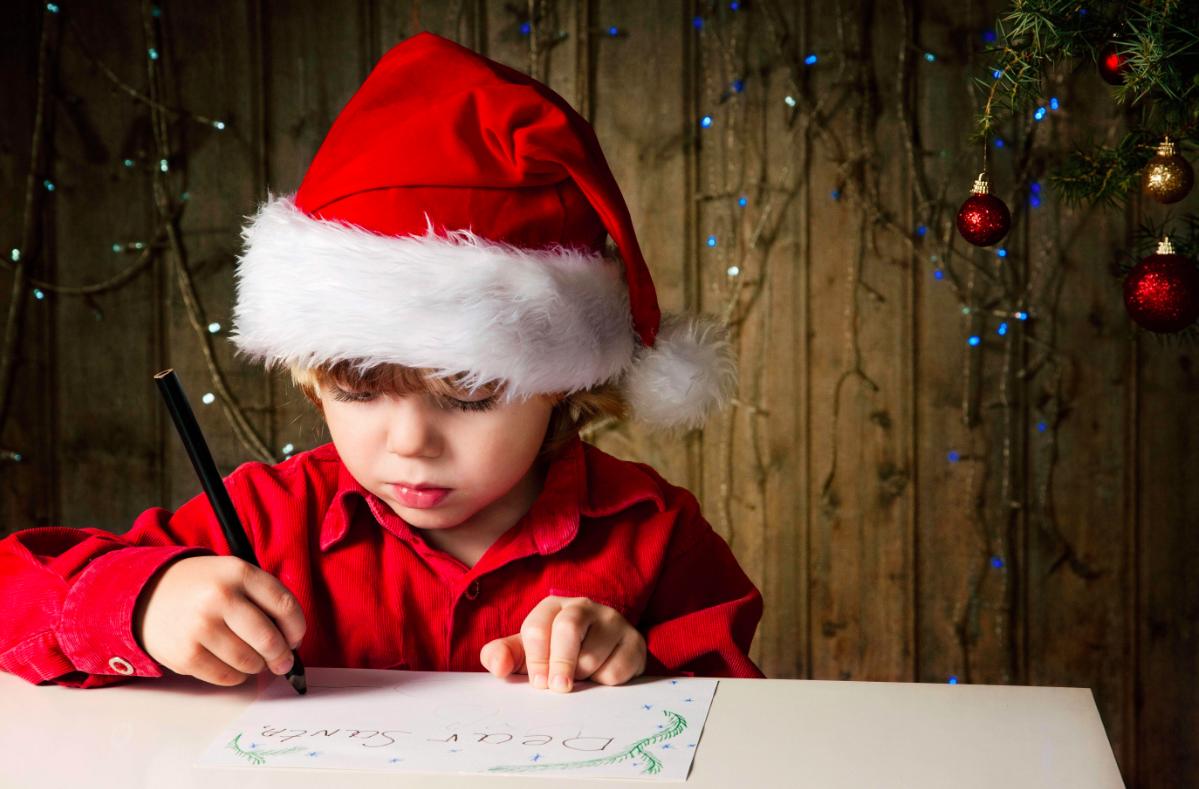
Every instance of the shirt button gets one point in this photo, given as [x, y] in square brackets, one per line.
[472, 591]
[120, 665]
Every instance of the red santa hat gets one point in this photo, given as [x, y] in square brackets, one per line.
[455, 218]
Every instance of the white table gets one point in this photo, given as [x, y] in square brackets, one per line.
[760, 733]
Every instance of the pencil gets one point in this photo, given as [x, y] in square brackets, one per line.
[214, 487]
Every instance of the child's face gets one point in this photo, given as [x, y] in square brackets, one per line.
[481, 455]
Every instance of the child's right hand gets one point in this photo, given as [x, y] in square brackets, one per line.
[219, 619]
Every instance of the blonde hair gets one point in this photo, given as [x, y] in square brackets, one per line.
[572, 413]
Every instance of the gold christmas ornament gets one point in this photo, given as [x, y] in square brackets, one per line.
[1168, 176]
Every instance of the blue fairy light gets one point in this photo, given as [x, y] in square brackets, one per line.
[953, 680]
[930, 57]
[705, 121]
[1039, 114]
[738, 85]
[1002, 252]
[989, 36]
[52, 7]
[999, 143]
[38, 294]
[49, 185]
[921, 230]
[525, 27]
[1053, 103]
[742, 202]
[153, 53]
[1020, 315]
[974, 340]
[1042, 427]
[810, 60]
[996, 73]
[953, 456]
[997, 562]
[835, 194]
[128, 162]
[614, 31]
[208, 399]
[735, 6]
[938, 274]
[711, 241]
[697, 22]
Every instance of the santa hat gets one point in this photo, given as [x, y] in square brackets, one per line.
[455, 218]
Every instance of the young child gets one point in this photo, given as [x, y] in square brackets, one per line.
[441, 289]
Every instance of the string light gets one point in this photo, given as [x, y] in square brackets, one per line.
[698, 22]
[218, 125]
[835, 194]
[38, 294]
[214, 327]
[153, 53]
[1034, 198]
[789, 101]
[930, 57]
[999, 143]
[1002, 330]
[997, 562]
[711, 241]
[128, 162]
[921, 230]
[1001, 252]
[974, 340]
[953, 680]
[614, 31]
[1039, 114]
[953, 456]
[996, 74]
[52, 7]
[738, 85]
[1020, 316]
[810, 60]
[1041, 427]
[734, 271]
[989, 36]
[209, 398]
[288, 449]
[525, 27]
[938, 274]
[705, 121]
[1053, 103]
[162, 165]
[15, 255]
[49, 185]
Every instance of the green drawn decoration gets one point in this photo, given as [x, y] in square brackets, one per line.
[256, 757]
[635, 751]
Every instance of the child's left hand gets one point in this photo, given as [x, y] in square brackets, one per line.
[568, 638]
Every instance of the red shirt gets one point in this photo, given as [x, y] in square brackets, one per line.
[608, 529]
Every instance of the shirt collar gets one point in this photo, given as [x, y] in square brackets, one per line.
[581, 481]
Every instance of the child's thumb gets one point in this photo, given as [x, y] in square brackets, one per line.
[503, 656]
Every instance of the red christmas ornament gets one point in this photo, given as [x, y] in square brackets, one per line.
[1112, 64]
[1161, 293]
[983, 219]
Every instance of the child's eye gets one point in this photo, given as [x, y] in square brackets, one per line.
[471, 405]
[351, 397]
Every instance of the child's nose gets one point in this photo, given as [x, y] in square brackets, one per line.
[412, 428]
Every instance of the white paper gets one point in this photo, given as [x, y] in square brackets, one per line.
[465, 722]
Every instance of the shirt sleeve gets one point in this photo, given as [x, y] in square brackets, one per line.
[701, 618]
[69, 593]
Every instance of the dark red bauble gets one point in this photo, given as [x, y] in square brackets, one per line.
[984, 219]
[1161, 293]
[1112, 64]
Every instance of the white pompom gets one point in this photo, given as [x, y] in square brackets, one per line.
[689, 373]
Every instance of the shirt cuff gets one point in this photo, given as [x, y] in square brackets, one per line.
[96, 627]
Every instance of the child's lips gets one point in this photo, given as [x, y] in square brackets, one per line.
[419, 497]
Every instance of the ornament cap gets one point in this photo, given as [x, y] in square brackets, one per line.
[1166, 147]
[1164, 247]
[981, 185]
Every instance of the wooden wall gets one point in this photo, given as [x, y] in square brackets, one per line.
[1054, 549]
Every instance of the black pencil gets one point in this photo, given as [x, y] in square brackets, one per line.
[214, 487]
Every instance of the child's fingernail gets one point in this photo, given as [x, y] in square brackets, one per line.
[539, 680]
[559, 682]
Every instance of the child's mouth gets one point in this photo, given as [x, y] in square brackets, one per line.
[419, 498]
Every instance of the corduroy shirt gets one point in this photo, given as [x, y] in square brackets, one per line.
[374, 593]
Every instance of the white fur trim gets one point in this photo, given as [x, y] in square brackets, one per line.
[311, 291]
[688, 373]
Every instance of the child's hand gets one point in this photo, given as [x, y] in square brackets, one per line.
[569, 638]
[218, 618]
